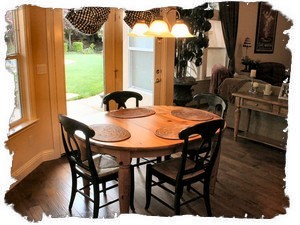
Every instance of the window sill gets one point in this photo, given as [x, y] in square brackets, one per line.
[21, 128]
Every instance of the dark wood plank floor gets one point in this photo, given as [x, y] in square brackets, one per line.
[250, 184]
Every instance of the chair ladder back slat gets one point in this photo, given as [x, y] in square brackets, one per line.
[216, 104]
[121, 97]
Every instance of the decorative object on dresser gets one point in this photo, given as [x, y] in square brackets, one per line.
[247, 44]
[250, 64]
[252, 76]
[268, 89]
[246, 60]
[284, 91]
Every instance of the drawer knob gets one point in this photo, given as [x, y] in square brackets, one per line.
[256, 104]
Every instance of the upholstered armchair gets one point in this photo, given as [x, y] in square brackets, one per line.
[271, 72]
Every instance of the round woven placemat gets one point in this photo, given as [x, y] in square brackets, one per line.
[131, 113]
[110, 133]
[170, 132]
[192, 114]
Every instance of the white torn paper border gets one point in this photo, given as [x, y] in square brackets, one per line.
[288, 8]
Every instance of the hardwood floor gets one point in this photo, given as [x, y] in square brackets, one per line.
[250, 184]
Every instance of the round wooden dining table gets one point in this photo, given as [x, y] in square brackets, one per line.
[141, 132]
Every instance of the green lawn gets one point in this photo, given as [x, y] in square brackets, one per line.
[84, 74]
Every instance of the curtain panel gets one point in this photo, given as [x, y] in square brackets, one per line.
[229, 16]
[88, 20]
[132, 17]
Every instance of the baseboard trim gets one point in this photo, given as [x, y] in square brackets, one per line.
[32, 164]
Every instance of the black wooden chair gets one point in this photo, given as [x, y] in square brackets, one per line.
[215, 103]
[186, 171]
[93, 169]
[212, 103]
[120, 97]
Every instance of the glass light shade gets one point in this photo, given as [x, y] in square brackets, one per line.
[139, 29]
[159, 28]
[180, 30]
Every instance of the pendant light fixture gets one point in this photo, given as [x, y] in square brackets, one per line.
[160, 28]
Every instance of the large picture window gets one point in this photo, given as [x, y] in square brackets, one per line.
[12, 62]
[18, 66]
[215, 53]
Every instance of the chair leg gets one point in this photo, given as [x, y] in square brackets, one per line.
[104, 188]
[96, 200]
[167, 157]
[137, 162]
[188, 187]
[148, 185]
[207, 198]
[132, 189]
[73, 192]
[178, 194]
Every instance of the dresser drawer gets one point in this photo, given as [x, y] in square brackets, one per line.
[257, 105]
[283, 111]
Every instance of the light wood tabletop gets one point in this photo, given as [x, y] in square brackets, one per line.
[153, 133]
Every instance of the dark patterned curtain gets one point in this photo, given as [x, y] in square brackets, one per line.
[229, 16]
[133, 16]
[88, 20]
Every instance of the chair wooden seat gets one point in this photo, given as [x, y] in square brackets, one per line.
[105, 165]
[169, 169]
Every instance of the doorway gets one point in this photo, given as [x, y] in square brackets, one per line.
[83, 70]
[138, 66]
[126, 64]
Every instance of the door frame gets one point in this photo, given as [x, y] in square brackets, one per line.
[113, 52]
[164, 71]
[113, 60]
